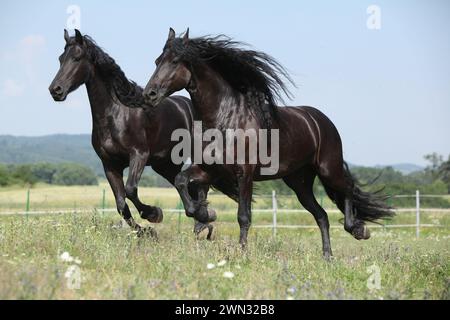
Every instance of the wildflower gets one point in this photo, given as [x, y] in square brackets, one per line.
[221, 263]
[291, 290]
[228, 274]
[210, 266]
[65, 257]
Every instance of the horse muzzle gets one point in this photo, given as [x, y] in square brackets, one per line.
[58, 93]
[154, 97]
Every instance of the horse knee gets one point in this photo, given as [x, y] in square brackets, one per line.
[181, 181]
[131, 191]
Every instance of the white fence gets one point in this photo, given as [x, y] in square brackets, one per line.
[417, 210]
[275, 211]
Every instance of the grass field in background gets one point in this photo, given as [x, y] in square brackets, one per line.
[48, 197]
[116, 264]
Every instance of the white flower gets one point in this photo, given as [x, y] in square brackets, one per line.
[228, 274]
[71, 270]
[221, 263]
[65, 257]
[77, 261]
[210, 266]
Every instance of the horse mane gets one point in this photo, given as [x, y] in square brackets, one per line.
[257, 75]
[125, 90]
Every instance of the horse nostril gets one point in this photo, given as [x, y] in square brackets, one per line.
[56, 90]
[151, 94]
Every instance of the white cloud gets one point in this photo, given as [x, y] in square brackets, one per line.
[31, 45]
[24, 58]
[11, 88]
[29, 50]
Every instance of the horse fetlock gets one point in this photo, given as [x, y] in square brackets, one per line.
[212, 215]
[121, 205]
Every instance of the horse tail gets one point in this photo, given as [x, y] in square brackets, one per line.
[367, 206]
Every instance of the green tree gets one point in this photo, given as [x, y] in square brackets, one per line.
[73, 174]
[44, 172]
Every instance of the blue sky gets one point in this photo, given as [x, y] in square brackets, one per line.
[386, 90]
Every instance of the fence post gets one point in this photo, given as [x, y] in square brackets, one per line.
[104, 201]
[417, 213]
[274, 207]
[27, 207]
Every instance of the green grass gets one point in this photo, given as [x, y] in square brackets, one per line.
[115, 264]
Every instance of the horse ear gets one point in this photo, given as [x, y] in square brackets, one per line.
[66, 36]
[78, 37]
[186, 37]
[171, 35]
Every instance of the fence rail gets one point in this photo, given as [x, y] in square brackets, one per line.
[274, 210]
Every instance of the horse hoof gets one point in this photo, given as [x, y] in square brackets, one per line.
[156, 216]
[212, 215]
[361, 233]
[203, 230]
[147, 232]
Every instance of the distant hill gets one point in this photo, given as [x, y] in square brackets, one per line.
[405, 168]
[52, 148]
[78, 148]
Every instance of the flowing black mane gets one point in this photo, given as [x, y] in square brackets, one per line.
[255, 74]
[125, 90]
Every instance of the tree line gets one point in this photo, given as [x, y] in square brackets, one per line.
[67, 174]
[434, 179]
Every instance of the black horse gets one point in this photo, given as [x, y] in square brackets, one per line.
[124, 137]
[235, 88]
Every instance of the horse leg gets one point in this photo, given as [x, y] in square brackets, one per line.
[115, 179]
[245, 185]
[301, 183]
[136, 167]
[192, 185]
[200, 193]
[337, 188]
[193, 195]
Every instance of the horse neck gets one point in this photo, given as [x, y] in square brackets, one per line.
[216, 102]
[100, 100]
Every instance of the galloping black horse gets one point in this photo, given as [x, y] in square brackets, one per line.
[122, 137]
[235, 88]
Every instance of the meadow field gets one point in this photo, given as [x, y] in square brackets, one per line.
[89, 254]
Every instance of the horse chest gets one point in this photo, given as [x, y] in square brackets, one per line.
[108, 146]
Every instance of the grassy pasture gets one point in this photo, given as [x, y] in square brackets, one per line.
[115, 264]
